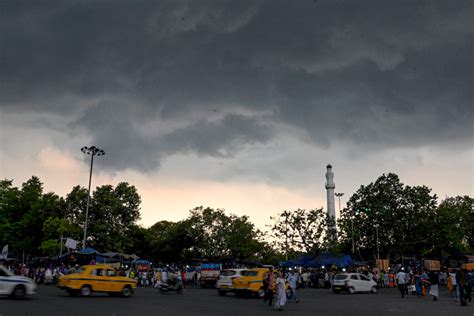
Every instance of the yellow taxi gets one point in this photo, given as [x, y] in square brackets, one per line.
[96, 278]
[251, 282]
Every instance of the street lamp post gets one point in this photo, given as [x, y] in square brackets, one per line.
[377, 236]
[93, 151]
[352, 219]
[339, 197]
[352, 231]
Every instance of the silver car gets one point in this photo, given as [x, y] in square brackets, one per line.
[14, 285]
[224, 283]
[353, 283]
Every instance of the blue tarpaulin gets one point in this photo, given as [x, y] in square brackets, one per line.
[323, 259]
[87, 251]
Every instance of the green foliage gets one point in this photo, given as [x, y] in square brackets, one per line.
[206, 234]
[50, 247]
[112, 214]
[300, 231]
[404, 217]
[454, 226]
[407, 219]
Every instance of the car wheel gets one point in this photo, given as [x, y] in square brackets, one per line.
[261, 292]
[351, 290]
[19, 291]
[374, 289]
[222, 293]
[126, 291]
[86, 291]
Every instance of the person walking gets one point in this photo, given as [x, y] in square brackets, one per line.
[270, 286]
[468, 285]
[292, 279]
[401, 282]
[418, 286]
[454, 284]
[461, 281]
[434, 280]
[281, 292]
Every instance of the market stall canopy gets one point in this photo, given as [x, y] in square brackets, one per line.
[323, 259]
[87, 251]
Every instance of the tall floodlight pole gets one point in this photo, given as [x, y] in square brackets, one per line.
[93, 151]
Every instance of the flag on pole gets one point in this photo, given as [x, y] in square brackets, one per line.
[4, 252]
[71, 243]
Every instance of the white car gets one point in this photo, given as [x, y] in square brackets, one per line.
[224, 283]
[14, 285]
[353, 283]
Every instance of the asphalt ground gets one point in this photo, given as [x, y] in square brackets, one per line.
[194, 301]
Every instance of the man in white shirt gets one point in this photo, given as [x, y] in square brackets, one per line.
[292, 279]
[401, 282]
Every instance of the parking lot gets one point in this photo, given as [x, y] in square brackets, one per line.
[196, 301]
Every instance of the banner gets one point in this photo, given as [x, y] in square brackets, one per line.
[71, 243]
[432, 265]
[4, 254]
[383, 264]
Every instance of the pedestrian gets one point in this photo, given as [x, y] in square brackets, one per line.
[270, 286]
[434, 280]
[461, 281]
[391, 279]
[454, 284]
[292, 279]
[304, 279]
[418, 284]
[468, 285]
[183, 277]
[48, 276]
[281, 292]
[265, 286]
[401, 282]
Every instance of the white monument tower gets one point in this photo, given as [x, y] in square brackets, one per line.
[330, 186]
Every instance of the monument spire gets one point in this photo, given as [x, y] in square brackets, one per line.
[331, 208]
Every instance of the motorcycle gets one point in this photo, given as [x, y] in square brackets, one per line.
[170, 287]
[173, 283]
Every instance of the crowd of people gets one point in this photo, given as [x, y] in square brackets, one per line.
[423, 282]
[409, 281]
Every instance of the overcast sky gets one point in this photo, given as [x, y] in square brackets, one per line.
[237, 104]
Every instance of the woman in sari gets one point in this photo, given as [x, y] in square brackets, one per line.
[418, 284]
[281, 292]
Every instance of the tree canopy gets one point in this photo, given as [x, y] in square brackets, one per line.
[384, 215]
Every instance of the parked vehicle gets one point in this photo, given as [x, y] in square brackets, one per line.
[209, 274]
[353, 283]
[14, 285]
[224, 284]
[96, 278]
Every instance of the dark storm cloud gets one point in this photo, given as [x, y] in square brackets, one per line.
[222, 75]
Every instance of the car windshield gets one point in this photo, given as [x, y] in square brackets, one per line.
[340, 277]
[228, 273]
[363, 277]
[250, 273]
[4, 272]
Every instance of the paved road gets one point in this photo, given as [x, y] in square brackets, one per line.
[148, 301]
